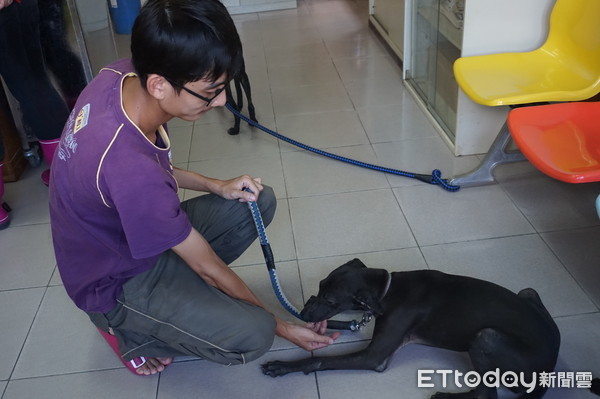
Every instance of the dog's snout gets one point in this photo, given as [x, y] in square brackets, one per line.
[310, 304]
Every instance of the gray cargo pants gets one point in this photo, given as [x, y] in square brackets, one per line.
[170, 311]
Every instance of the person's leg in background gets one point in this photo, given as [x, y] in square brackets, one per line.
[22, 67]
[4, 218]
[65, 65]
[48, 149]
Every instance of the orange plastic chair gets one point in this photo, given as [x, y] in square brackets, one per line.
[565, 68]
[561, 140]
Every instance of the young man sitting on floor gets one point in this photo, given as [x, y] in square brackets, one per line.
[152, 272]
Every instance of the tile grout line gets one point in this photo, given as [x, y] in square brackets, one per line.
[27, 335]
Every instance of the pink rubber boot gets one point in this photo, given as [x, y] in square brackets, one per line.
[48, 150]
[4, 209]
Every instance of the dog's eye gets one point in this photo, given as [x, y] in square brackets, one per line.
[330, 301]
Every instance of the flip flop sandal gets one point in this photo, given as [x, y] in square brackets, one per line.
[132, 364]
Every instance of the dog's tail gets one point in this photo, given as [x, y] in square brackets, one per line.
[595, 386]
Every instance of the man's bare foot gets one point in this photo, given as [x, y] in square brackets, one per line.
[154, 365]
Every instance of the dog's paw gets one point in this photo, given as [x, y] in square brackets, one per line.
[459, 395]
[275, 368]
[442, 395]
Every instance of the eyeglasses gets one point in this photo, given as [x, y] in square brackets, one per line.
[201, 97]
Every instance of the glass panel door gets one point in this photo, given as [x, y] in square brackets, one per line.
[436, 43]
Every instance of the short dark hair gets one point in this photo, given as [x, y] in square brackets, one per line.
[185, 41]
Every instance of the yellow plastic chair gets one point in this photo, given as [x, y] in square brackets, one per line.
[565, 68]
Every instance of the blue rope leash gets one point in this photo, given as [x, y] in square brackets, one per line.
[269, 259]
[435, 177]
[351, 325]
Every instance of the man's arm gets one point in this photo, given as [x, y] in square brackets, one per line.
[198, 254]
[228, 189]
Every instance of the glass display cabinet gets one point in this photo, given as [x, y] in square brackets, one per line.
[437, 35]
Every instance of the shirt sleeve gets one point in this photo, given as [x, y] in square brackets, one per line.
[145, 197]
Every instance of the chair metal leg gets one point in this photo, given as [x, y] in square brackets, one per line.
[496, 155]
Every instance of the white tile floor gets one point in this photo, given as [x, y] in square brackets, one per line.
[320, 76]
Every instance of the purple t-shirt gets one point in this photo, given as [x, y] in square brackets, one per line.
[113, 198]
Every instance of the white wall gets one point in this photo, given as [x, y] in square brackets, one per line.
[495, 26]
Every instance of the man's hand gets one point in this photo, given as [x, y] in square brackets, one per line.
[319, 327]
[228, 189]
[309, 337]
[232, 189]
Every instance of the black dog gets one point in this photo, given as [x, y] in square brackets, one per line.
[242, 85]
[499, 329]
